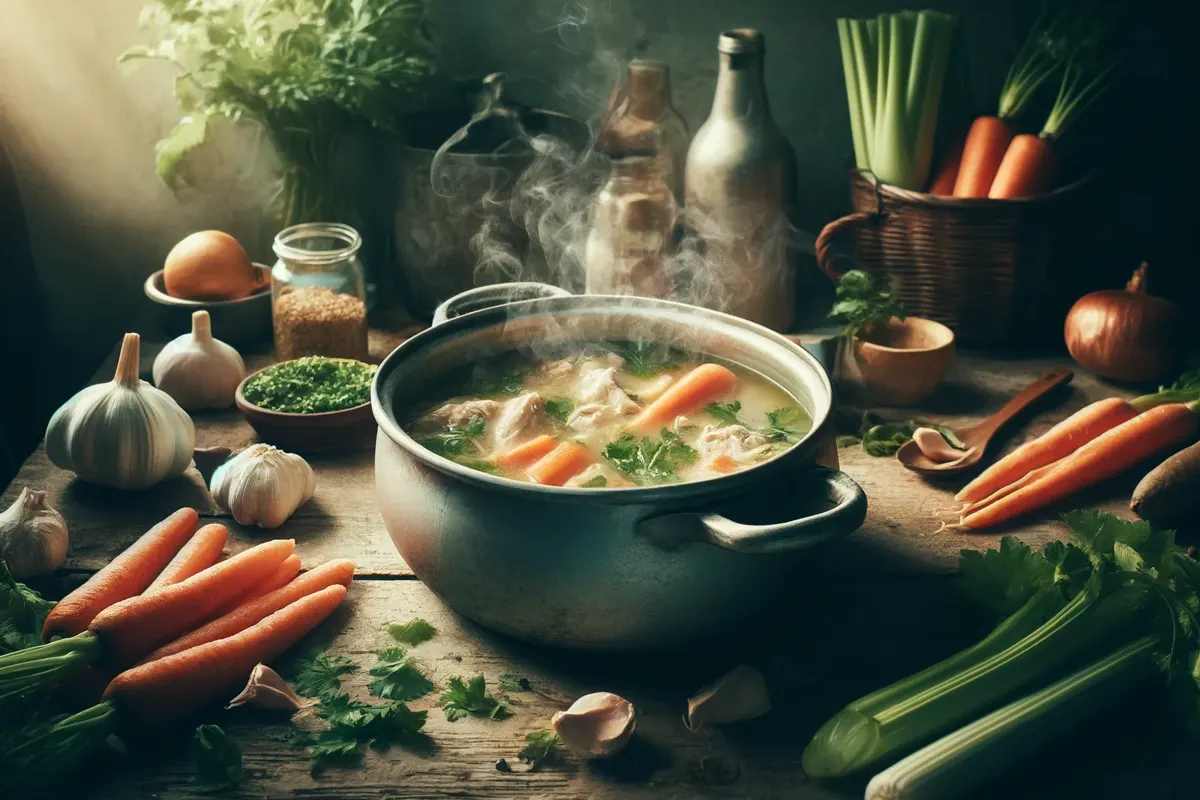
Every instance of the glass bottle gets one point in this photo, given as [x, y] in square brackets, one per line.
[740, 187]
[318, 300]
[640, 116]
[633, 229]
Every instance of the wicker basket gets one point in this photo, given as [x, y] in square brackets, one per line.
[978, 266]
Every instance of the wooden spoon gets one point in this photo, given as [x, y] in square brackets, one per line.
[981, 435]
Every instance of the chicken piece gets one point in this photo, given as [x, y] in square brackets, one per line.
[456, 415]
[600, 386]
[611, 477]
[592, 361]
[516, 418]
[557, 369]
[735, 442]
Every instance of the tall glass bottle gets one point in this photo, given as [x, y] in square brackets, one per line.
[640, 117]
[740, 188]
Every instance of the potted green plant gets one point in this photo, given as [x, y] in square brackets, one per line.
[900, 359]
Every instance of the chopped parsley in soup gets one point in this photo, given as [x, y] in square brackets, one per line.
[608, 415]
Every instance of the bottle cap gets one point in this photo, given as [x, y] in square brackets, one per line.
[741, 40]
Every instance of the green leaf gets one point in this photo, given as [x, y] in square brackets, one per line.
[862, 303]
[725, 413]
[646, 359]
[354, 724]
[788, 424]
[321, 675]
[397, 678]
[218, 760]
[471, 698]
[596, 482]
[22, 613]
[413, 632]
[559, 408]
[649, 461]
[170, 151]
[885, 439]
[1099, 533]
[540, 746]
[514, 683]
[1003, 580]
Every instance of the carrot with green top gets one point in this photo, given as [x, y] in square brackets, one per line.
[201, 552]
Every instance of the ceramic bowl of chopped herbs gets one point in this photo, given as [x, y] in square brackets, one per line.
[311, 403]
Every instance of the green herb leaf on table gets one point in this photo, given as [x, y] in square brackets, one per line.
[22, 613]
[540, 746]
[354, 724]
[514, 683]
[559, 408]
[413, 632]
[321, 675]
[397, 678]
[470, 698]
[218, 760]
[863, 303]
[885, 438]
[646, 359]
[725, 413]
[650, 461]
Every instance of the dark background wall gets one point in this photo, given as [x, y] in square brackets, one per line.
[79, 136]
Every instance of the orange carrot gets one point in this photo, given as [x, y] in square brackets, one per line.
[289, 569]
[1152, 433]
[136, 626]
[723, 464]
[1063, 439]
[160, 693]
[947, 171]
[1030, 167]
[201, 552]
[328, 574]
[1005, 491]
[983, 150]
[705, 384]
[560, 464]
[125, 576]
[525, 454]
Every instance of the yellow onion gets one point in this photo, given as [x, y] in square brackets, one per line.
[1126, 335]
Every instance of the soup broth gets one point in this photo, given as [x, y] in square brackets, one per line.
[608, 415]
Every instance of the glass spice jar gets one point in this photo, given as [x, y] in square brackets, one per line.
[318, 298]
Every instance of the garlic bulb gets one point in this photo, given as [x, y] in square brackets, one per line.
[198, 370]
[33, 536]
[124, 433]
[262, 485]
[740, 694]
[596, 725]
[266, 689]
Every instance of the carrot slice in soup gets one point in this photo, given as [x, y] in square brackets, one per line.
[560, 464]
[705, 384]
[525, 454]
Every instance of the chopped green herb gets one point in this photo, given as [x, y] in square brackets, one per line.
[647, 461]
[461, 699]
[397, 678]
[22, 613]
[726, 413]
[597, 482]
[321, 675]
[413, 632]
[787, 424]
[461, 444]
[353, 724]
[645, 359]
[490, 382]
[311, 385]
[559, 408]
[539, 747]
[218, 760]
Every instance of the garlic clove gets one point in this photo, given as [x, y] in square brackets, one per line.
[935, 447]
[266, 689]
[33, 536]
[596, 725]
[739, 695]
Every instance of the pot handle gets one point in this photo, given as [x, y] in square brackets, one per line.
[498, 294]
[846, 516]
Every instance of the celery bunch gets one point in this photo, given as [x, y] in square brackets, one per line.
[895, 67]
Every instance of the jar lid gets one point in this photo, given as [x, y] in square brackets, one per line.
[741, 40]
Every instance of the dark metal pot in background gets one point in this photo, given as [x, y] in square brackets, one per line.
[604, 568]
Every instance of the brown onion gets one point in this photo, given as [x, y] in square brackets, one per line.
[1126, 335]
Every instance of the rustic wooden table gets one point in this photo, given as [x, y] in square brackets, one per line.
[872, 608]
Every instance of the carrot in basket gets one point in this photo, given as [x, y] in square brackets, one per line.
[1159, 429]
[125, 576]
[1063, 439]
[947, 171]
[705, 384]
[1030, 167]
[525, 454]
[983, 151]
[128, 630]
[560, 464]
[340, 572]
[201, 552]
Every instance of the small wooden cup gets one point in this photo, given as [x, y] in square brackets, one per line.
[902, 363]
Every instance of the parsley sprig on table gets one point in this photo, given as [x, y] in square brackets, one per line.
[648, 461]
[470, 698]
[218, 760]
[540, 746]
[22, 613]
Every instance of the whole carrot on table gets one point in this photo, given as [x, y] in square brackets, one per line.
[201, 552]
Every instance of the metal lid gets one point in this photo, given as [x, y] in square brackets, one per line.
[741, 40]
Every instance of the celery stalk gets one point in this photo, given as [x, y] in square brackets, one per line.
[854, 93]
[955, 764]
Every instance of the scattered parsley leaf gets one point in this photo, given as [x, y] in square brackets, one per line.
[321, 675]
[559, 408]
[886, 438]
[645, 359]
[514, 683]
[353, 724]
[540, 746]
[649, 461]
[22, 613]
[787, 424]
[218, 760]
[725, 413]
[862, 303]
[413, 632]
[454, 441]
[397, 678]
[1003, 580]
[597, 482]
[461, 699]
[492, 382]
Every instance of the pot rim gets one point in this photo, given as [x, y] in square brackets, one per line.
[821, 418]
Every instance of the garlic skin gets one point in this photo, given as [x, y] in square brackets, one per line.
[262, 485]
[267, 690]
[197, 370]
[739, 695]
[33, 536]
[596, 725]
[935, 447]
[125, 433]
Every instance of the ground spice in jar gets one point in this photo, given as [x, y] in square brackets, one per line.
[317, 321]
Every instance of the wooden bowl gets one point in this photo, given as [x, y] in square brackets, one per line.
[306, 433]
[238, 323]
[902, 363]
